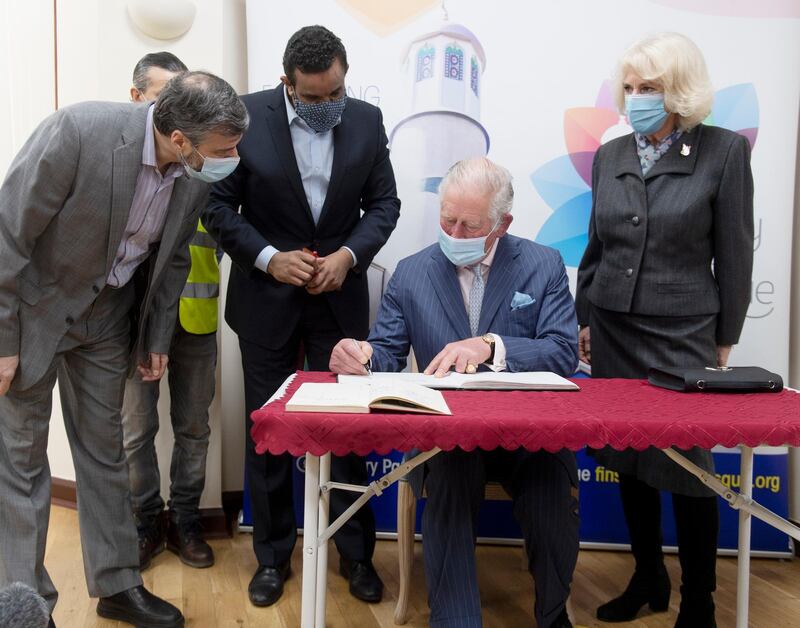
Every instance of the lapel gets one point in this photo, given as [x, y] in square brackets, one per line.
[443, 276]
[627, 159]
[340, 151]
[502, 277]
[126, 163]
[673, 161]
[278, 124]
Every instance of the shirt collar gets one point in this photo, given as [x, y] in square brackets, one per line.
[149, 149]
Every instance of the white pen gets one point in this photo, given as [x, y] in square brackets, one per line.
[367, 365]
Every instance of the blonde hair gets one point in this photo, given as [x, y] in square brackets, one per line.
[485, 176]
[675, 63]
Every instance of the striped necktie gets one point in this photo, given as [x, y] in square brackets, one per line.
[475, 298]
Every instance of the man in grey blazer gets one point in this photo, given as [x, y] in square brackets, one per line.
[483, 297]
[96, 213]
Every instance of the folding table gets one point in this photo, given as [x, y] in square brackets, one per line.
[617, 412]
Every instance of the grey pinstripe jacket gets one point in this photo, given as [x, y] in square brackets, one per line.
[63, 208]
[652, 239]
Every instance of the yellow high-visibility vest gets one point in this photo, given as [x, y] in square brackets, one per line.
[198, 306]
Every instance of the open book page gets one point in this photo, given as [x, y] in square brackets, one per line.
[532, 380]
[359, 397]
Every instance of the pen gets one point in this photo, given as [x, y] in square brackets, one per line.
[367, 366]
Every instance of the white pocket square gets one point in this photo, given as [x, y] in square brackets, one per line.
[521, 300]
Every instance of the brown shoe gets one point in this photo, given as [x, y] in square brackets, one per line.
[185, 538]
[151, 544]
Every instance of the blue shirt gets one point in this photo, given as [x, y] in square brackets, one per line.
[314, 154]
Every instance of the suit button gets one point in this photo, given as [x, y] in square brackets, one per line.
[95, 289]
[629, 272]
[69, 320]
[635, 220]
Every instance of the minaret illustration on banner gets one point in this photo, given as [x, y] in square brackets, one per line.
[443, 72]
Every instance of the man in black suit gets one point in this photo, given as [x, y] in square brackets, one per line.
[311, 162]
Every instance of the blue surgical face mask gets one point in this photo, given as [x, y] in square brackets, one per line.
[463, 251]
[646, 112]
[214, 168]
[320, 116]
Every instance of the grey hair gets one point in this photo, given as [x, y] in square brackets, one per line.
[199, 103]
[164, 60]
[485, 176]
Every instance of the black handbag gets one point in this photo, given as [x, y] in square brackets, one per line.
[745, 379]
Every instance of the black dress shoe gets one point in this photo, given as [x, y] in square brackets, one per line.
[266, 587]
[139, 607]
[365, 584]
[653, 590]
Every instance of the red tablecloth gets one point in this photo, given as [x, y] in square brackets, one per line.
[617, 412]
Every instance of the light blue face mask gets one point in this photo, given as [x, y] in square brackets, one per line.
[646, 112]
[463, 251]
[214, 168]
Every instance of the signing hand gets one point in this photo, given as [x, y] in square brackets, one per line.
[292, 267]
[331, 271]
[723, 353]
[154, 368]
[8, 367]
[349, 357]
[584, 345]
[466, 355]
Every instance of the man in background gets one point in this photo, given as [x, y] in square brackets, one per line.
[96, 214]
[318, 200]
[151, 73]
[192, 378]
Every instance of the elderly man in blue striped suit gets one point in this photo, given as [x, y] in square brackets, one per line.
[482, 298]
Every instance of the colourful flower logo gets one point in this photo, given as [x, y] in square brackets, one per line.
[565, 182]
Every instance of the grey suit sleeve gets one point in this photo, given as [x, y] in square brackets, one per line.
[38, 182]
[591, 257]
[733, 241]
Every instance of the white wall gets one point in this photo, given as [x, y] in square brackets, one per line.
[98, 46]
[794, 344]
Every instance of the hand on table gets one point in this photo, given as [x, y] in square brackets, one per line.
[350, 356]
[466, 355]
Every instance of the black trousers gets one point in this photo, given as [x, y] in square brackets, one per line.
[270, 477]
[697, 526]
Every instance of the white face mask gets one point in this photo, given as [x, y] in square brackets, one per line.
[464, 251]
[214, 168]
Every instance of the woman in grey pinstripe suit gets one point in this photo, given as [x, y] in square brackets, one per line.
[665, 281]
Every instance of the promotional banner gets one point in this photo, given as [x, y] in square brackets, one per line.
[529, 85]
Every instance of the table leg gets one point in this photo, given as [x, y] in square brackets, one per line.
[743, 560]
[322, 548]
[310, 514]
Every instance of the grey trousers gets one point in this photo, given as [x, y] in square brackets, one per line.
[91, 362]
[191, 374]
[543, 488]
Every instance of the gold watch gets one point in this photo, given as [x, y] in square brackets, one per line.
[489, 340]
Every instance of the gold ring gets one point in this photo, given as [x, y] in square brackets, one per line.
[471, 368]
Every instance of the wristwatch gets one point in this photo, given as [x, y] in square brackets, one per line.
[489, 340]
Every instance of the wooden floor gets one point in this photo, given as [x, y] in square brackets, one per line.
[217, 597]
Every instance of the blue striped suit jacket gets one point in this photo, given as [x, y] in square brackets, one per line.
[423, 308]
